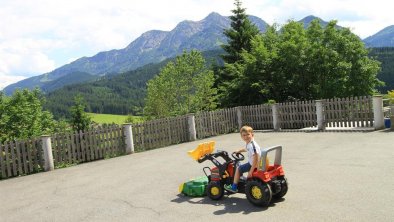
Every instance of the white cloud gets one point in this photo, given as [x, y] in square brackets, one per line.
[25, 57]
[9, 79]
[38, 36]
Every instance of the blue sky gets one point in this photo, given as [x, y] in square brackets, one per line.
[37, 36]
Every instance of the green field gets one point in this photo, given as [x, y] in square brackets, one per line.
[110, 118]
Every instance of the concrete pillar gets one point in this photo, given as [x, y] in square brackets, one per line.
[48, 156]
[320, 115]
[128, 132]
[192, 127]
[239, 117]
[378, 117]
[275, 116]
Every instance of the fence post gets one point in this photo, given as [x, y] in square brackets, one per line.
[275, 117]
[128, 132]
[48, 156]
[320, 115]
[239, 117]
[378, 117]
[392, 122]
[192, 127]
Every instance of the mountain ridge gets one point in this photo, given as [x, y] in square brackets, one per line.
[383, 38]
[152, 46]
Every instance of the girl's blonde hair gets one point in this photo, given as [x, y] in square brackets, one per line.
[246, 129]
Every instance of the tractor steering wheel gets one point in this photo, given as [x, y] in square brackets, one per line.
[238, 156]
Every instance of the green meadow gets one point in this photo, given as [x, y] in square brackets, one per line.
[111, 118]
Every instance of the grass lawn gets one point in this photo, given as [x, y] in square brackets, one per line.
[111, 118]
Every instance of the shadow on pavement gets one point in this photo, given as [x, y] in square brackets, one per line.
[386, 131]
[230, 204]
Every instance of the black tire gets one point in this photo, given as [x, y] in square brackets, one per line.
[215, 190]
[284, 187]
[258, 193]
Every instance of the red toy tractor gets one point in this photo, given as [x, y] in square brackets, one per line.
[267, 182]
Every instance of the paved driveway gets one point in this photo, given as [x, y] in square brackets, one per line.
[332, 176]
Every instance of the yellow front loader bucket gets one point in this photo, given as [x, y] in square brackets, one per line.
[202, 149]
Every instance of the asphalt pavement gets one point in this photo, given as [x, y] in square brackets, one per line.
[333, 176]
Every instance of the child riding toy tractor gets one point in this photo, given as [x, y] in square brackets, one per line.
[266, 182]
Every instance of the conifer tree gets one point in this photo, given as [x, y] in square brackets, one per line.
[239, 40]
[239, 35]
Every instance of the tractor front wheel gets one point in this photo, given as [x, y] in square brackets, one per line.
[258, 193]
[215, 190]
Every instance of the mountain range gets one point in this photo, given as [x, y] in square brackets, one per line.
[151, 47]
[155, 46]
[384, 38]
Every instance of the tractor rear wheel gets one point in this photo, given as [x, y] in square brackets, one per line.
[284, 187]
[215, 190]
[258, 193]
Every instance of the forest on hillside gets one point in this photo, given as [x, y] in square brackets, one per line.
[386, 57]
[120, 94]
[115, 94]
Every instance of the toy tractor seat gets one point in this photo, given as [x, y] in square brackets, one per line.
[264, 158]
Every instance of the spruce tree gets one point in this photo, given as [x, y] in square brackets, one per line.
[239, 40]
[239, 35]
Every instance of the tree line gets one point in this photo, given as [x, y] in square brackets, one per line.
[386, 56]
[283, 64]
[293, 63]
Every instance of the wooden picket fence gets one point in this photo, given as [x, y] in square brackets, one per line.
[297, 115]
[26, 157]
[160, 133]
[217, 122]
[259, 117]
[20, 158]
[349, 112]
[94, 144]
